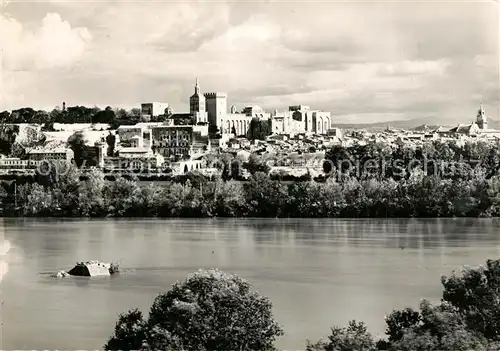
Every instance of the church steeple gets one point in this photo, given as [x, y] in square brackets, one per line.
[481, 120]
[197, 103]
[197, 87]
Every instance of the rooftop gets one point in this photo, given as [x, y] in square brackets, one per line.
[48, 151]
[134, 150]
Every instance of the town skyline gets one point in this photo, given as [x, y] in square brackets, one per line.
[363, 62]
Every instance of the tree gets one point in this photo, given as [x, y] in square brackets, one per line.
[121, 113]
[255, 165]
[23, 115]
[259, 129]
[78, 114]
[210, 310]
[354, 337]
[439, 327]
[8, 135]
[77, 143]
[105, 116]
[476, 295]
[56, 116]
[28, 141]
[130, 332]
[135, 113]
[466, 319]
[111, 141]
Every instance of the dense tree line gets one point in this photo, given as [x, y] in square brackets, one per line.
[62, 192]
[72, 114]
[447, 160]
[213, 310]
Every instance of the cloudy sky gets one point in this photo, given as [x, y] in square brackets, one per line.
[363, 61]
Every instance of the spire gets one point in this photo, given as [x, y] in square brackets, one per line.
[197, 86]
[480, 113]
[481, 120]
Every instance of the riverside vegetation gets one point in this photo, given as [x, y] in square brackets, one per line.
[436, 180]
[213, 310]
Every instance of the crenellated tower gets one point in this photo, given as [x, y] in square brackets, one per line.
[216, 106]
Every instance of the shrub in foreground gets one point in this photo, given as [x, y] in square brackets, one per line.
[466, 319]
[210, 310]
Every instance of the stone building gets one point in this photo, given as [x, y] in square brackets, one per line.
[180, 141]
[198, 105]
[58, 154]
[126, 133]
[153, 109]
[478, 128]
[481, 120]
[216, 105]
[300, 119]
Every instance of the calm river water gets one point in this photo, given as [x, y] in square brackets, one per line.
[318, 273]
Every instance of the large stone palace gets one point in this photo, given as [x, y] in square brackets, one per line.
[212, 109]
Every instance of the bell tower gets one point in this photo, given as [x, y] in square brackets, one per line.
[197, 104]
[481, 119]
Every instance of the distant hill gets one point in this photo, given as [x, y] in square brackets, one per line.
[427, 123]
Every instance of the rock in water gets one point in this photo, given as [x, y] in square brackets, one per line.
[60, 274]
[91, 269]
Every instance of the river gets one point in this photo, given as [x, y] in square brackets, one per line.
[318, 273]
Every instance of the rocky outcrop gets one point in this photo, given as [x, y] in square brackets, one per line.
[91, 269]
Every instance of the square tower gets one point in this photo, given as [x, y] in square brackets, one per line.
[216, 107]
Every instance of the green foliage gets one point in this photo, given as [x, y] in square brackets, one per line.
[8, 135]
[398, 321]
[105, 116]
[446, 160]
[111, 141]
[466, 319]
[256, 164]
[354, 337]
[193, 195]
[210, 310]
[77, 143]
[476, 296]
[259, 129]
[130, 332]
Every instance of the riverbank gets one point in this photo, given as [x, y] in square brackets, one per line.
[67, 195]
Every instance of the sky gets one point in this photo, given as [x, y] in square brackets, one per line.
[369, 61]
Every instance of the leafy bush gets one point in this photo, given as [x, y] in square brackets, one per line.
[466, 319]
[210, 310]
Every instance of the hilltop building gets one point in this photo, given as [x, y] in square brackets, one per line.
[479, 128]
[197, 105]
[211, 108]
[481, 120]
[301, 119]
[180, 141]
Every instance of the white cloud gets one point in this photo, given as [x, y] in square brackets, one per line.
[53, 44]
[369, 59]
